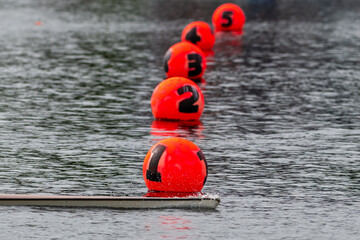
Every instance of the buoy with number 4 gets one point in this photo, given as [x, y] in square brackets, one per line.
[200, 34]
[177, 98]
[175, 165]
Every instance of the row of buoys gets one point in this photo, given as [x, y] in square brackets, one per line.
[176, 164]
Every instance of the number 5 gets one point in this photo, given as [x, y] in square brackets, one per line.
[228, 16]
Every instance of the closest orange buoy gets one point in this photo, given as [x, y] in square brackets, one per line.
[200, 34]
[175, 165]
[228, 17]
[177, 98]
[184, 59]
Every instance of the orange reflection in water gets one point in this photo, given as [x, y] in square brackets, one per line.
[184, 129]
[209, 54]
[220, 34]
[171, 227]
[228, 43]
[175, 223]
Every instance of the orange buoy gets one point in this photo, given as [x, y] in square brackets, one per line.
[177, 98]
[228, 17]
[200, 34]
[175, 165]
[184, 59]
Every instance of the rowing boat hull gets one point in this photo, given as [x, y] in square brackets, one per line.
[109, 202]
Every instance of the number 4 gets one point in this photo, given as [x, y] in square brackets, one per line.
[192, 36]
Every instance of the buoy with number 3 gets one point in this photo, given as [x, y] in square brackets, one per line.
[177, 98]
[228, 17]
[185, 59]
[200, 34]
[175, 165]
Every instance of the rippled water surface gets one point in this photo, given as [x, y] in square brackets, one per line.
[280, 128]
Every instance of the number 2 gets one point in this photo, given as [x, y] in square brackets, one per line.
[187, 105]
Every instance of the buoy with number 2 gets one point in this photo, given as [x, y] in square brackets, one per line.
[177, 98]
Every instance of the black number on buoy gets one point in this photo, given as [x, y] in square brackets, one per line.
[195, 61]
[228, 16]
[187, 105]
[192, 36]
[166, 59]
[202, 158]
[152, 174]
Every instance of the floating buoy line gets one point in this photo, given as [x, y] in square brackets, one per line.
[174, 169]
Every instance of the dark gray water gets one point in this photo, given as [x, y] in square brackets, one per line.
[280, 128]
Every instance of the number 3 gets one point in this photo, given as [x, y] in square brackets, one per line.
[195, 61]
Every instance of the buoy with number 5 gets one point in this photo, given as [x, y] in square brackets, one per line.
[185, 59]
[175, 165]
[228, 17]
[200, 34]
[177, 98]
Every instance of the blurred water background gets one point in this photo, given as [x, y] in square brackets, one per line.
[280, 128]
